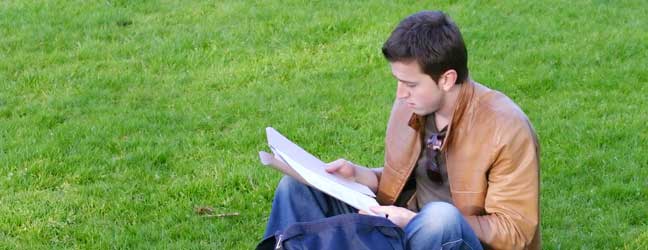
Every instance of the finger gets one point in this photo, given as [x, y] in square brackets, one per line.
[382, 211]
[335, 165]
[338, 162]
[378, 209]
[363, 212]
[332, 169]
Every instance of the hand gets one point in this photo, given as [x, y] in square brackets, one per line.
[353, 172]
[343, 168]
[397, 215]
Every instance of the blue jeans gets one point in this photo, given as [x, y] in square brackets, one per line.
[438, 225]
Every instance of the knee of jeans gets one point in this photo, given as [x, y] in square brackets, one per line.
[441, 209]
[288, 185]
[436, 217]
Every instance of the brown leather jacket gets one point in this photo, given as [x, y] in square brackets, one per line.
[492, 157]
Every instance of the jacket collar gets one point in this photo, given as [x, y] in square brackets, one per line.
[417, 122]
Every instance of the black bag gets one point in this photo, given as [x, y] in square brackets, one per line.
[346, 231]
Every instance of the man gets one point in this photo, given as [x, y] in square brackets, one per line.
[461, 160]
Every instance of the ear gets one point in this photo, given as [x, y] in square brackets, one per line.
[448, 79]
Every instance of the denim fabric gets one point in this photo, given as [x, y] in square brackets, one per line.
[438, 225]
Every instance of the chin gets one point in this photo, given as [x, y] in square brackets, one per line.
[422, 113]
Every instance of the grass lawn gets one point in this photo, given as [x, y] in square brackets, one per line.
[119, 118]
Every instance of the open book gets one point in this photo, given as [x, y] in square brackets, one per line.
[294, 161]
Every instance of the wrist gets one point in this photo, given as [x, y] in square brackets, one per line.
[365, 176]
[377, 172]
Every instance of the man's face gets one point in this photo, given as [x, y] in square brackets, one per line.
[417, 89]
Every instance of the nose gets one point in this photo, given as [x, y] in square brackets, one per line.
[401, 91]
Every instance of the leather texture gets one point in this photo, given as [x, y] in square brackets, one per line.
[492, 157]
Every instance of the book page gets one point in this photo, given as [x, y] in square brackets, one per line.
[310, 162]
[313, 171]
[340, 192]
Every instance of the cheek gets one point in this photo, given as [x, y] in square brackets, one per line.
[425, 98]
[429, 100]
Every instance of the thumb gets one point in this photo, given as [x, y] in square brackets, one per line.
[378, 209]
[335, 165]
[332, 168]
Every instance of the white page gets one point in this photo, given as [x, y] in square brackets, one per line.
[340, 192]
[310, 162]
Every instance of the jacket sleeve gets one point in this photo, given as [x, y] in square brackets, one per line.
[512, 199]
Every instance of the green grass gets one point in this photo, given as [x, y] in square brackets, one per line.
[119, 118]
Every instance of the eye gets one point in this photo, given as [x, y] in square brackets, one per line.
[408, 84]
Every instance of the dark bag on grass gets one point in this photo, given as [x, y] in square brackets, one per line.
[346, 231]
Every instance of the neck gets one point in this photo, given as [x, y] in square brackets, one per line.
[449, 103]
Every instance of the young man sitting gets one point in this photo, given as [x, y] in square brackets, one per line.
[461, 160]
